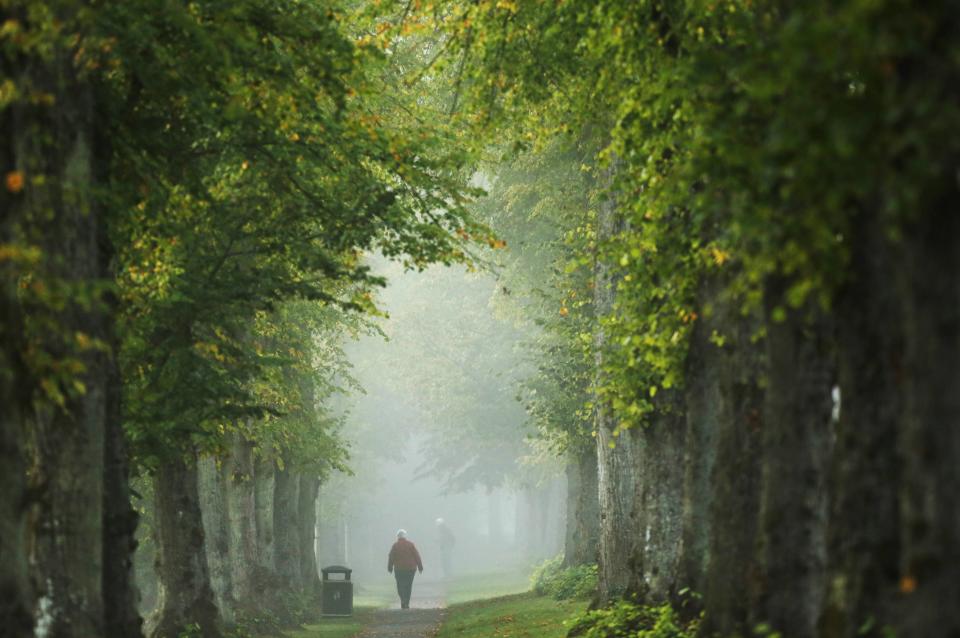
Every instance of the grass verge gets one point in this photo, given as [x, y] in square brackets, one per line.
[479, 585]
[334, 627]
[518, 616]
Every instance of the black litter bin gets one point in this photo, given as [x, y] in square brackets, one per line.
[337, 593]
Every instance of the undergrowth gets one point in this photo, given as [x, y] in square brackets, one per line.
[551, 578]
[625, 618]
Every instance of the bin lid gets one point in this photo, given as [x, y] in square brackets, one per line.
[336, 569]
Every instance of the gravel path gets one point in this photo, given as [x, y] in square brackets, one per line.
[422, 620]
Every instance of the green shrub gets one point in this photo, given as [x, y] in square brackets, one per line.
[550, 578]
[637, 621]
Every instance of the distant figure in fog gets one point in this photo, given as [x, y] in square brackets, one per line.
[404, 561]
[446, 540]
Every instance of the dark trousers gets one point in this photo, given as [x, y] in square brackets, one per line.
[404, 585]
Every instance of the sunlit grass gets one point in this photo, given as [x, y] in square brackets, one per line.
[518, 616]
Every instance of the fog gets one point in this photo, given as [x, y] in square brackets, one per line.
[438, 432]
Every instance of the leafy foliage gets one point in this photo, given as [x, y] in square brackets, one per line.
[625, 618]
[551, 578]
[727, 147]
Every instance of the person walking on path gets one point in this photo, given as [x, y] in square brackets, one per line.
[404, 561]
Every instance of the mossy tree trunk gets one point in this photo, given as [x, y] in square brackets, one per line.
[583, 506]
[657, 511]
[615, 454]
[864, 535]
[794, 458]
[929, 438]
[737, 366]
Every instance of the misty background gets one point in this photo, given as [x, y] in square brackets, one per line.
[438, 431]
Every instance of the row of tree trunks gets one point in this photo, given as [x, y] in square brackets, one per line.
[821, 520]
[218, 525]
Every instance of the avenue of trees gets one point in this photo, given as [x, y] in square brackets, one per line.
[733, 225]
[756, 293]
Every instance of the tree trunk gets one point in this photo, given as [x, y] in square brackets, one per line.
[657, 519]
[285, 527]
[15, 593]
[242, 512]
[731, 573]
[796, 442]
[864, 536]
[615, 454]
[185, 597]
[307, 518]
[583, 507]
[263, 492]
[702, 406]
[929, 289]
[56, 143]
[211, 489]
[122, 618]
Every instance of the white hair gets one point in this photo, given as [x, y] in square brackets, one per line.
[401, 533]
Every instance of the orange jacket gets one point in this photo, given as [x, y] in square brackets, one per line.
[404, 555]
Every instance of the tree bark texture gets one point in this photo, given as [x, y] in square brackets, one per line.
[122, 617]
[285, 526]
[242, 523]
[702, 411]
[734, 501]
[615, 454]
[864, 536]
[583, 507]
[263, 493]
[16, 595]
[309, 580]
[185, 597]
[796, 442]
[657, 518]
[615, 489]
[212, 491]
[56, 143]
[929, 440]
